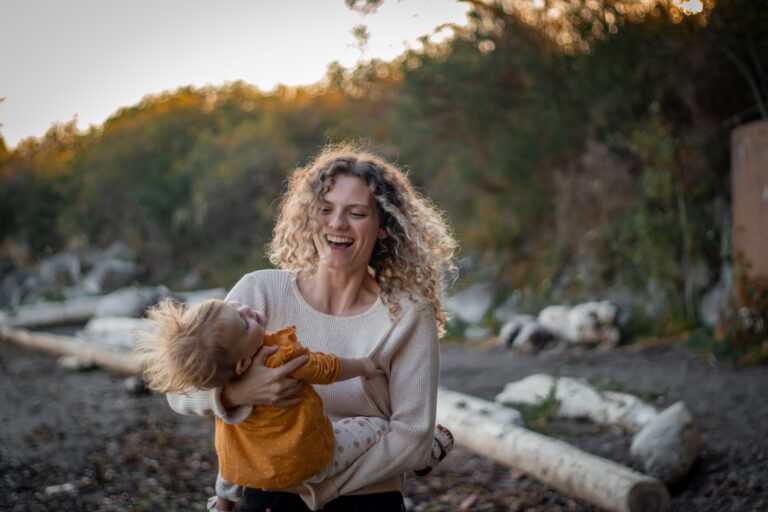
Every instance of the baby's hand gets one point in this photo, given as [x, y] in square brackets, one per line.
[370, 370]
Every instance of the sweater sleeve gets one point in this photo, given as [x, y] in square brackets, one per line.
[204, 402]
[413, 377]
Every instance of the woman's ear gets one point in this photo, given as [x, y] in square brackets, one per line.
[242, 365]
[382, 233]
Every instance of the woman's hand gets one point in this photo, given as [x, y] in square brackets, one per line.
[261, 385]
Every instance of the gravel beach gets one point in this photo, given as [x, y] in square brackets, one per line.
[79, 441]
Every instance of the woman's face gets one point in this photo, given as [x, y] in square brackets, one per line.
[348, 220]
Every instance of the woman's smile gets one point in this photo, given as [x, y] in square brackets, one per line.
[337, 242]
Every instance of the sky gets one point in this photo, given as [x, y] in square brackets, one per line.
[88, 58]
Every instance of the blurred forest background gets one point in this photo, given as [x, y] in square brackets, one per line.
[580, 153]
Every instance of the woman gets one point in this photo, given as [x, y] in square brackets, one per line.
[363, 259]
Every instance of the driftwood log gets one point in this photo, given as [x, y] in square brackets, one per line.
[604, 483]
[668, 446]
[578, 399]
[118, 361]
[45, 314]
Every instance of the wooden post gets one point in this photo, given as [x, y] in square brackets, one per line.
[749, 180]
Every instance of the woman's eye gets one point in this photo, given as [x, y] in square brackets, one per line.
[357, 215]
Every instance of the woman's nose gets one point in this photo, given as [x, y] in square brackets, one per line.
[337, 221]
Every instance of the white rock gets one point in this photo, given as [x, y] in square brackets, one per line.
[68, 487]
[532, 338]
[471, 303]
[555, 318]
[130, 302]
[196, 297]
[714, 301]
[62, 269]
[590, 323]
[75, 363]
[476, 332]
[110, 274]
[512, 328]
[135, 386]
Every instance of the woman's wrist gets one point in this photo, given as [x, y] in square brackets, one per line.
[228, 397]
[230, 414]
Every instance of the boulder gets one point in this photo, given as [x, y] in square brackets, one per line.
[61, 270]
[194, 298]
[471, 304]
[109, 275]
[715, 301]
[533, 338]
[512, 328]
[590, 323]
[476, 333]
[555, 318]
[131, 301]
[75, 363]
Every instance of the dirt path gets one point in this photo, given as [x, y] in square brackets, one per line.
[79, 441]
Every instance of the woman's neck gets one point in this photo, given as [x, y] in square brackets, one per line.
[339, 293]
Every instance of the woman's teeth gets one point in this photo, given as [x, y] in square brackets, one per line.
[338, 240]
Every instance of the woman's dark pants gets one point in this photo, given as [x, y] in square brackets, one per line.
[255, 500]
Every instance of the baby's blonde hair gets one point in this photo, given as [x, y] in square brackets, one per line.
[186, 348]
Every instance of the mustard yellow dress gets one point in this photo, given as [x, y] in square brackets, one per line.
[278, 447]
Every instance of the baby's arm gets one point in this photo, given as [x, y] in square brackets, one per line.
[327, 368]
[320, 368]
[359, 367]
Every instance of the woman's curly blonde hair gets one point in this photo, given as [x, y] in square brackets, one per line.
[414, 257]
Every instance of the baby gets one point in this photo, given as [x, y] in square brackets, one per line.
[211, 345]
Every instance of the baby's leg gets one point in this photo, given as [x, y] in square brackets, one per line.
[353, 436]
[441, 445]
[227, 495]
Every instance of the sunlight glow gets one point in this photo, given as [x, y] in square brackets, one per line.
[577, 24]
[689, 7]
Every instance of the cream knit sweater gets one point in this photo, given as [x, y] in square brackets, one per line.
[405, 347]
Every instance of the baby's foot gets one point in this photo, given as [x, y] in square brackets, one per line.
[441, 445]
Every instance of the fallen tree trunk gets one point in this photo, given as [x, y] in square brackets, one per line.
[604, 483]
[73, 311]
[578, 399]
[117, 361]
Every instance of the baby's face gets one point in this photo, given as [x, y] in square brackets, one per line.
[244, 328]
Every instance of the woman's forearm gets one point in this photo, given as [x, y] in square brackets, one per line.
[192, 403]
[201, 402]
